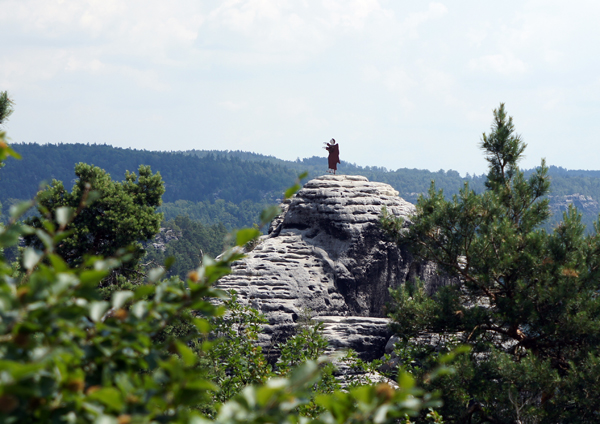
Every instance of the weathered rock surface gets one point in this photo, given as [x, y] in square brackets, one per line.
[163, 237]
[327, 254]
[363, 334]
[559, 204]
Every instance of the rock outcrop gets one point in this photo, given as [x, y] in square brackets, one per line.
[560, 204]
[327, 256]
[163, 237]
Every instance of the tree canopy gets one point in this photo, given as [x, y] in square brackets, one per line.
[6, 107]
[110, 216]
[527, 300]
[189, 241]
[233, 187]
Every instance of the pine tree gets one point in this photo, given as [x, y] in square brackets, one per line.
[6, 109]
[116, 216]
[526, 302]
[6, 106]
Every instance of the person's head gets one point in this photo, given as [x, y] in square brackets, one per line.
[332, 141]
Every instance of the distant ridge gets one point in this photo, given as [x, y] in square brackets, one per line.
[235, 177]
[186, 177]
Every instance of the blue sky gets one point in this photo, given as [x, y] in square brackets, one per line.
[398, 84]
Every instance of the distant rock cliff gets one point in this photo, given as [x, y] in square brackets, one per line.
[585, 204]
[327, 254]
[164, 237]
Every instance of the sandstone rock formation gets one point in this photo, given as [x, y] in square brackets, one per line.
[560, 204]
[327, 256]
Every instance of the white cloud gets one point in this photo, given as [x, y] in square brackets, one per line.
[414, 20]
[351, 15]
[76, 65]
[505, 64]
[480, 117]
[232, 106]
[138, 27]
[550, 98]
[371, 73]
[479, 34]
[399, 81]
[24, 69]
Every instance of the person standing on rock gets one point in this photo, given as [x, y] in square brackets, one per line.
[334, 156]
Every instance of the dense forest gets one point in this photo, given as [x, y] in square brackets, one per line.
[186, 240]
[186, 177]
[231, 187]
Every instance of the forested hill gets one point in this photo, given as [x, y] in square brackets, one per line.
[200, 176]
[231, 187]
[186, 177]
[412, 182]
[409, 182]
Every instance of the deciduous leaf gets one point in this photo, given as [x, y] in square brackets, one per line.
[31, 257]
[188, 356]
[120, 298]
[45, 238]
[269, 213]
[92, 277]
[139, 309]
[19, 209]
[243, 236]
[406, 381]
[169, 262]
[58, 263]
[144, 291]
[109, 396]
[97, 310]
[64, 214]
[292, 190]
[155, 274]
[201, 325]
[9, 236]
[93, 196]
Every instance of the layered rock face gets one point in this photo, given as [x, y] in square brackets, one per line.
[559, 204]
[326, 256]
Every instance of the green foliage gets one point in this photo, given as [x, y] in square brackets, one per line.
[68, 356]
[237, 359]
[192, 240]
[233, 187]
[186, 177]
[527, 301]
[108, 216]
[229, 214]
[278, 400]
[308, 344]
[6, 107]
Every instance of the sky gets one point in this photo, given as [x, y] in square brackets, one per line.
[398, 84]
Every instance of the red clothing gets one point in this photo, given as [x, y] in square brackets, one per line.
[334, 155]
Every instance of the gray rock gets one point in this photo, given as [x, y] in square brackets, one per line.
[163, 237]
[366, 335]
[327, 254]
[391, 344]
[559, 204]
